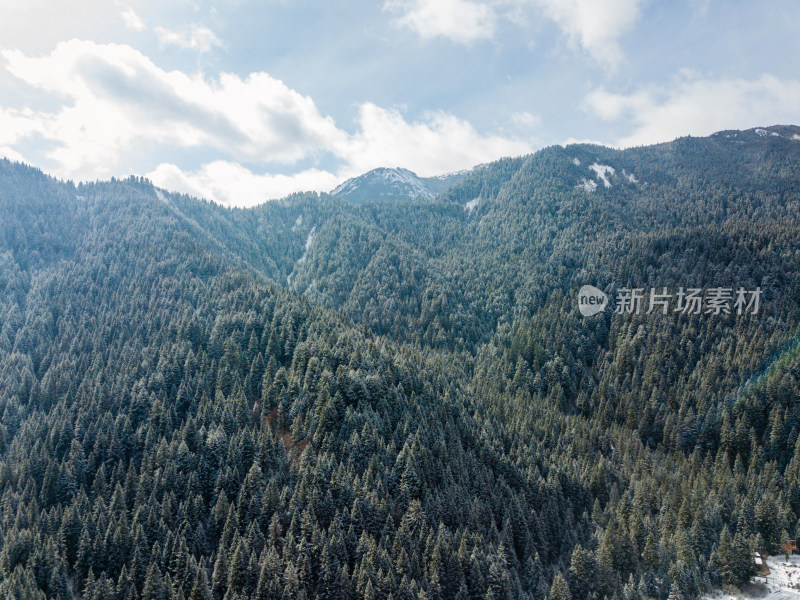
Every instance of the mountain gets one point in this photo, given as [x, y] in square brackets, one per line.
[394, 184]
[319, 399]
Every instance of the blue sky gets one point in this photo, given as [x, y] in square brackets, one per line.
[242, 101]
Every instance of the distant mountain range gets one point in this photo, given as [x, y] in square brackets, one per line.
[384, 394]
[394, 184]
[397, 183]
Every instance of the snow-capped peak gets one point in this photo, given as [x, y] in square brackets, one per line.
[384, 184]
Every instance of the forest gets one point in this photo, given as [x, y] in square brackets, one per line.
[399, 400]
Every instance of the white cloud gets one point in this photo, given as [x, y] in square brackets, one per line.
[574, 140]
[195, 37]
[593, 25]
[114, 104]
[440, 143]
[11, 154]
[462, 21]
[37, 25]
[525, 120]
[231, 183]
[132, 20]
[697, 106]
[116, 98]
[596, 25]
[17, 124]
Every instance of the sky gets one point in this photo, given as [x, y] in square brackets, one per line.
[245, 101]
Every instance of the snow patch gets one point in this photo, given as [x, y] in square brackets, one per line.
[796, 137]
[587, 185]
[471, 205]
[160, 195]
[309, 240]
[762, 132]
[782, 583]
[602, 171]
[302, 259]
[576, 162]
[784, 577]
[630, 177]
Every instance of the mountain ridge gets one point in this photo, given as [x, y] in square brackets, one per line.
[392, 184]
[318, 398]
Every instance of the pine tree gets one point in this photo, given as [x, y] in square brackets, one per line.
[560, 590]
[154, 588]
[200, 588]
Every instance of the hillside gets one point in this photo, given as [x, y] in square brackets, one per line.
[394, 184]
[398, 398]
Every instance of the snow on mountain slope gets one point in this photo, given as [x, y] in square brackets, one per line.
[602, 172]
[384, 184]
[782, 583]
[302, 259]
[394, 184]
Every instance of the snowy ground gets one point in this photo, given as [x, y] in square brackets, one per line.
[783, 583]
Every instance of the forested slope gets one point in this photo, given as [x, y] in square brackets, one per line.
[311, 399]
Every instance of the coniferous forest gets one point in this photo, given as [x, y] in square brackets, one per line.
[399, 400]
